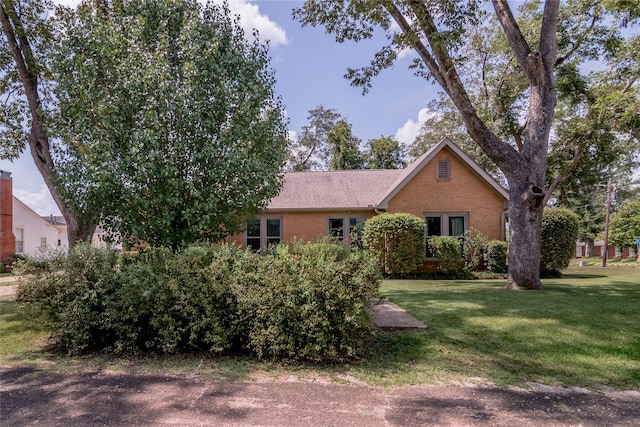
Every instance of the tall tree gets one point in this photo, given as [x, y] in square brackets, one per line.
[25, 81]
[345, 148]
[524, 76]
[311, 150]
[385, 153]
[170, 112]
[435, 30]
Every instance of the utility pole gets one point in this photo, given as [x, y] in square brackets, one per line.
[606, 224]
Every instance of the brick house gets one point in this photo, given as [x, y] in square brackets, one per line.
[443, 186]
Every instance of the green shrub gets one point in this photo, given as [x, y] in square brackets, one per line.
[558, 243]
[496, 256]
[396, 241]
[302, 301]
[474, 248]
[447, 250]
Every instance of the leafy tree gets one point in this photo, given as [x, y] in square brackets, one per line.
[311, 151]
[525, 57]
[345, 148]
[385, 153]
[170, 112]
[26, 86]
[624, 227]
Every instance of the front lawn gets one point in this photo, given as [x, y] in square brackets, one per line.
[583, 329]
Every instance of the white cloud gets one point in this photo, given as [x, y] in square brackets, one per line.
[407, 133]
[250, 18]
[41, 202]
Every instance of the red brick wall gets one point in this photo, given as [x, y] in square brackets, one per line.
[464, 192]
[7, 239]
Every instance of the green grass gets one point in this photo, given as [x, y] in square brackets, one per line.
[20, 341]
[582, 330]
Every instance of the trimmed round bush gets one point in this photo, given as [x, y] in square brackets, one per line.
[495, 257]
[396, 241]
[558, 243]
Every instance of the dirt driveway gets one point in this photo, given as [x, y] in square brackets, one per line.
[33, 397]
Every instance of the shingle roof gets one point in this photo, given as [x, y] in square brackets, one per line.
[351, 189]
[361, 189]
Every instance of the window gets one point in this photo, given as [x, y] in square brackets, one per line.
[444, 171]
[336, 227]
[262, 232]
[445, 224]
[43, 244]
[19, 234]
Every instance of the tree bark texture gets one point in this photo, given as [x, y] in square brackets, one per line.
[18, 41]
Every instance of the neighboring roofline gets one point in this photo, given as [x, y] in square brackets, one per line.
[36, 214]
[423, 160]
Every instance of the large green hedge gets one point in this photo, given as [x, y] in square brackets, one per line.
[301, 301]
[396, 241]
[558, 242]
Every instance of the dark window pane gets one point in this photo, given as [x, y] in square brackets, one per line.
[434, 225]
[253, 243]
[273, 240]
[273, 228]
[336, 228]
[253, 228]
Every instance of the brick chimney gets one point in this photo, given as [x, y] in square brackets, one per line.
[7, 239]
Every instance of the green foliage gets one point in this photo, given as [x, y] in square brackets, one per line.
[447, 250]
[344, 148]
[311, 150]
[559, 235]
[495, 257]
[303, 301]
[385, 153]
[169, 118]
[474, 247]
[307, 301]
[624, 228]
[396, 241]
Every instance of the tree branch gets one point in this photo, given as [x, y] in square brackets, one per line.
[516, 40]
[416, 43]
[563, 174]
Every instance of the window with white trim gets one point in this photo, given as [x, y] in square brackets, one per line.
[336, 226]
[262, 232]
[444, 224]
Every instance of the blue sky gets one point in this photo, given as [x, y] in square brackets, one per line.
[309, 68]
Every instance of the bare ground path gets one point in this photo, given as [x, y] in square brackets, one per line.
[29, 396]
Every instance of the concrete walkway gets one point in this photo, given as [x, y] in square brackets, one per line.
[388, 315]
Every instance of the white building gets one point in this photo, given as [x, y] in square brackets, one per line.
[35, 235]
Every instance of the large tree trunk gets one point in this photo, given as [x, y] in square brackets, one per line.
[525, 227]
[18, 40]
